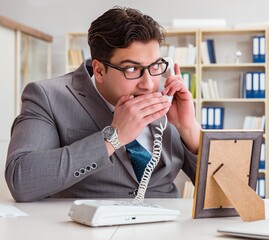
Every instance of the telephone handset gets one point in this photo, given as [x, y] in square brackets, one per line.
[170, 69]
[169, 72]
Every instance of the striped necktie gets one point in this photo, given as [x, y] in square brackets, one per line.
[139, 157]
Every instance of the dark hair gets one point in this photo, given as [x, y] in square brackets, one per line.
[118, 28]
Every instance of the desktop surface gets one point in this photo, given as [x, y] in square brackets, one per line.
[48, 219]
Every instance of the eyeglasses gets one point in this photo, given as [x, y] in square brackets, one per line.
[135, 72]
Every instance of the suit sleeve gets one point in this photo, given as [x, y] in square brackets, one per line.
[190, 164]
[37, 166]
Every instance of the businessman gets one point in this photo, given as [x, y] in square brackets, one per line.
[70, 139]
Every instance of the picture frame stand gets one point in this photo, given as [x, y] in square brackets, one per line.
[226, 175]
[245, 200]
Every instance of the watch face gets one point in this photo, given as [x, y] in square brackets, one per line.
[108, 132]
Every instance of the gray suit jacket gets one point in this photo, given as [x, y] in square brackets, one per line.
[57, 148]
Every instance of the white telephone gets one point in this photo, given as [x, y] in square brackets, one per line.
[97, 213]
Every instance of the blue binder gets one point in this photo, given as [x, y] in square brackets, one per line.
[259, 49]
[218, 117]
[204, 118]
[248, 85]
[262, 49]
[262, 159]
[210, 118]
[211, 50]
[262, 85]
[256, 49]
[255, 84]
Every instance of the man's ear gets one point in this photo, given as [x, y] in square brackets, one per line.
[98, 70]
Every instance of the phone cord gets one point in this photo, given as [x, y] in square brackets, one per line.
[155, 158]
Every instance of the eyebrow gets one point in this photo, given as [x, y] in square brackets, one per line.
[137, 63]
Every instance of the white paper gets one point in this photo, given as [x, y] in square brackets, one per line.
[10, 211]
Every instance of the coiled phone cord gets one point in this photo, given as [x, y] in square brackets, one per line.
[155, 158]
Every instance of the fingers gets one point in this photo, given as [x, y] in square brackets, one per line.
[177, 69]
[143, 101]
[124, 99]
[132, 114]
[173, 85]
[156, 115]
[147, 104]
[138, 99]
[157, 110]
[137, 108]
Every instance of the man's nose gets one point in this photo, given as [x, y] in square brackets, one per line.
[146, 80]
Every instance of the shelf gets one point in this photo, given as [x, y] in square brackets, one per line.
[233, 66]
[236, 100]
[232, 31]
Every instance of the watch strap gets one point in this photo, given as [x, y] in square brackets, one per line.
[115, 142]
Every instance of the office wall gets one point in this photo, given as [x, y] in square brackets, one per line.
[56, 17]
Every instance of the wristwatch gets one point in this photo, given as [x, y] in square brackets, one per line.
[110, 135]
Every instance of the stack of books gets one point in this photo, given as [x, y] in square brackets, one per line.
[76, 56]
[254, 122]
[208, 53]
[180, 55]
[210, 89]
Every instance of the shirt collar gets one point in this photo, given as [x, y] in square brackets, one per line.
[110, 106]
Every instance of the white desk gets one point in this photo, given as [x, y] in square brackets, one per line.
[48, 220]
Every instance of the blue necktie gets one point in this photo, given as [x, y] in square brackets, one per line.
[139, 157]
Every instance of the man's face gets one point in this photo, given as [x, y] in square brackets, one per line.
[113, 84]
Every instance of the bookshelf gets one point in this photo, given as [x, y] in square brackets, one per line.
[77, 50]
[227, 72]
[25, 55]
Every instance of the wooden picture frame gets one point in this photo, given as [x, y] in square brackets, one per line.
[237, 149]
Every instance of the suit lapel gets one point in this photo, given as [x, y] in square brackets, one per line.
[83, 90]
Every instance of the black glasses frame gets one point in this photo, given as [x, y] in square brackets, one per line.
[123, 70]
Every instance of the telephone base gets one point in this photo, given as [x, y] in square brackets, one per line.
[96, 213]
